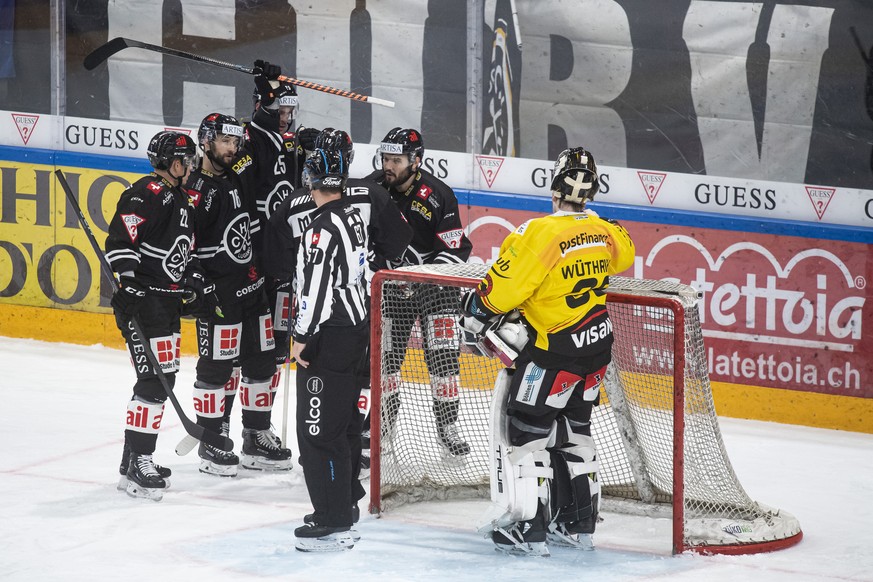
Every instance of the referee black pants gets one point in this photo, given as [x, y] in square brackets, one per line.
[328, 422]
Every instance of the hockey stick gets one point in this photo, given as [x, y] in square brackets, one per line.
[195, 430]
[285, 401]
[103, 52]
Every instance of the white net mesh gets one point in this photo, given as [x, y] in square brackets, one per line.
[429, 378]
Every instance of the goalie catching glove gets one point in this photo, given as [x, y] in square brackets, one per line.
[503, 336]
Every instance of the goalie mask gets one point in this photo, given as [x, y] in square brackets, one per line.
[325, 170]
[576, 179]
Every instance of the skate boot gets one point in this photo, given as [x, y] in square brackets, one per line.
[143, 479]
[263, 451]
[452, 441]
[164, 472]
[312, 537]
[214, 461]
[309, 519]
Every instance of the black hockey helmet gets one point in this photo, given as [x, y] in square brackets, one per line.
[216, 124]
[575, 179]
[166, 146]
[336, 140]
[325, 169]
[400, 141]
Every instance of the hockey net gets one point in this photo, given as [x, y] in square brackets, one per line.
[659, 445]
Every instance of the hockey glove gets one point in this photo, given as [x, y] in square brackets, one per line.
[267, 69]
[503, 336]
[199, 299]
[127, 299]
[264, 73]
[306, 137]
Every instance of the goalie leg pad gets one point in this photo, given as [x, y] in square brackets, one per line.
[518, 473]
[576, 490]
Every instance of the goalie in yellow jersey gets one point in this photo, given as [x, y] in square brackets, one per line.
[542, 305]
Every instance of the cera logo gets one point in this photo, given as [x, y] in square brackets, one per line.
[764, 300]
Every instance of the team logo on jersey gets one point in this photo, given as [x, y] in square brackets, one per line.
[424, 192]
[131, 223]
[155, 187]
[280, 192]
[452, 238]
[237, 239]
[176, 259]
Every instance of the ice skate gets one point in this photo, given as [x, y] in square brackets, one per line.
[451, 440]
[263, 451]
[214, 461]
[558, 535]
[164, 472]
[511, 540]
[143, 479]
[313, 537]
[309, 519]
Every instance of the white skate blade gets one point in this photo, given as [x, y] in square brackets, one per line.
[528, 550]
[578, 541]
[331, 543]
[122, 483]
[254, 463]
[210, 468]
[150, 493]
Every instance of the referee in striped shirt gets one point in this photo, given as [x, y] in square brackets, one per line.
[330, 335]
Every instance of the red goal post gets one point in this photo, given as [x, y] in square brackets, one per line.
[659, 445]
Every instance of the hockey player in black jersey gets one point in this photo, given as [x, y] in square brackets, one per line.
[149, 246]
[272, 148]
[389, 235]
[431, 208]
[218, 190]
[331, 333]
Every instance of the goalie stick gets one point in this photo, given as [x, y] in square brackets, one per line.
[194, 430]
[117, 44]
